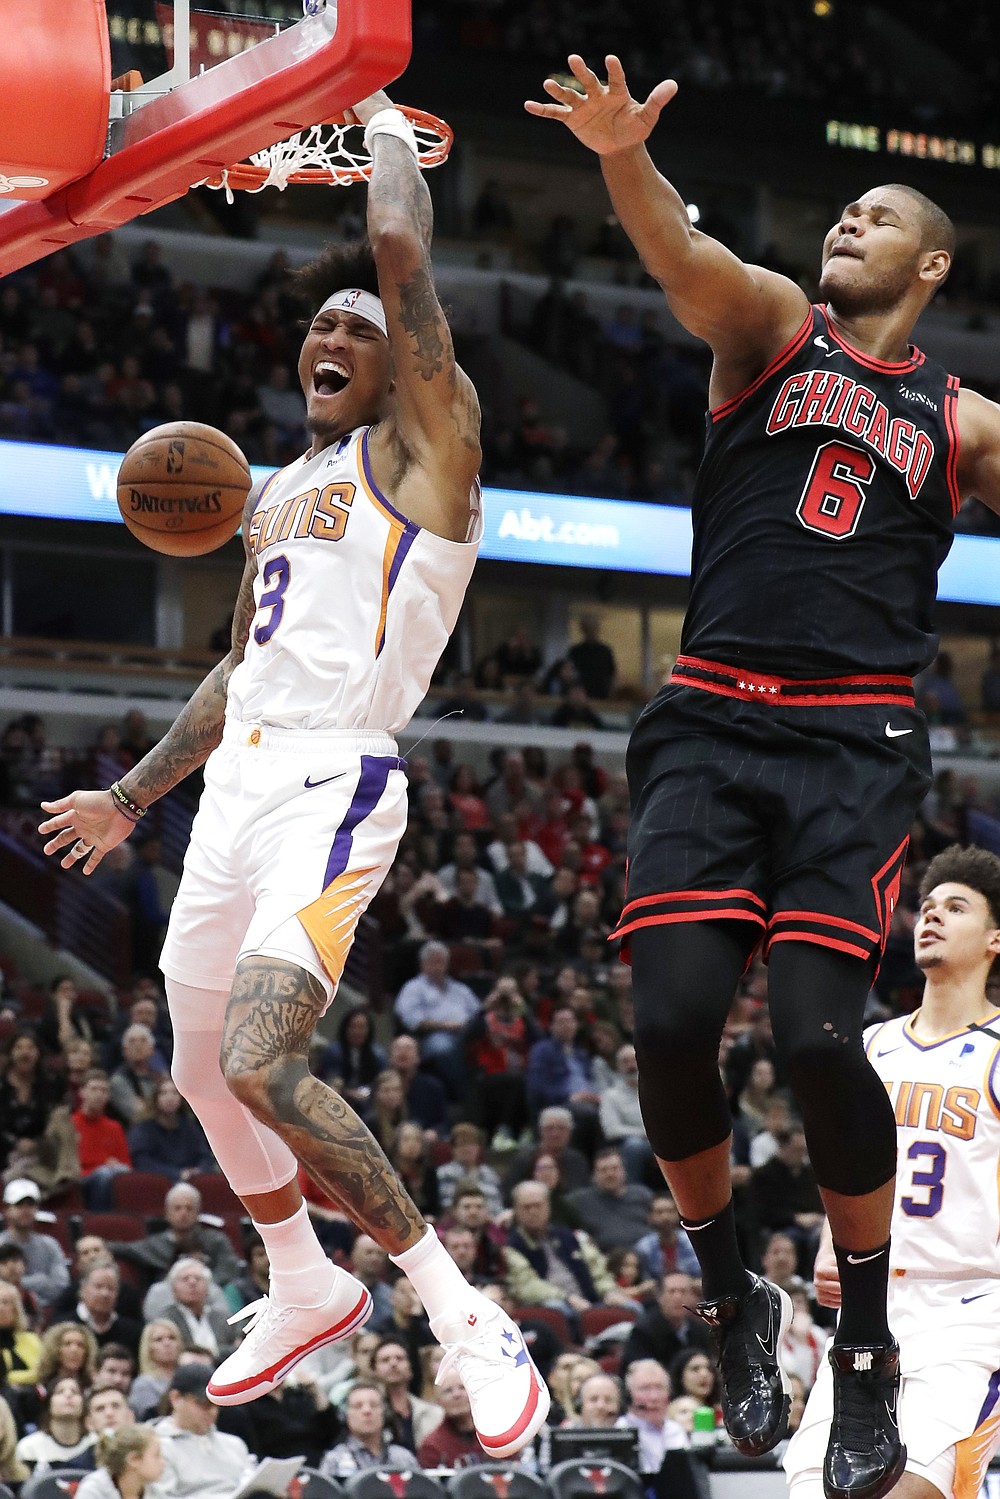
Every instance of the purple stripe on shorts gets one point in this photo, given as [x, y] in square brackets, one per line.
[992, 1396]
[371, 784]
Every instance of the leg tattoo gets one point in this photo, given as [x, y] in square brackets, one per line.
[270, 1019]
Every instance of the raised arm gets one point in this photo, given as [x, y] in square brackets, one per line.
[85, 824]
[744, 312]
[436, 410]
[979, 448]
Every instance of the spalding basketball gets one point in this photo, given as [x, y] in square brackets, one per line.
[182, 488]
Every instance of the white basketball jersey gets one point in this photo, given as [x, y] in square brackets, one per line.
[946, 1096]
[355, 603]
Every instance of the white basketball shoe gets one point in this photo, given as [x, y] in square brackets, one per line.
[277, 1337]
[508, 1396]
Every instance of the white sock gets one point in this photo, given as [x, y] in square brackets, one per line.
[301, 1273]
[435, 1277]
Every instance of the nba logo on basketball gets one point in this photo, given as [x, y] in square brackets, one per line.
[175, 457]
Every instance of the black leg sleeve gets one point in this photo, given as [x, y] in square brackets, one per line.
[817, 1000]
[684, 978]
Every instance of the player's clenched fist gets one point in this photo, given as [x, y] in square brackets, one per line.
[604, 117]
[826, 1277]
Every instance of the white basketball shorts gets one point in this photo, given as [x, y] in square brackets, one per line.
[294, 834]
[949, 1403]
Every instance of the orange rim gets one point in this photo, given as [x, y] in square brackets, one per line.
[246, 176]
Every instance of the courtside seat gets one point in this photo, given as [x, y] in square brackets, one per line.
[121, 1226]
[393, 1483]
[596, 1318]
[217, 1196]
[60, 1229]
[60, 1485]
[139, 1192]
[496, 1481]
[69, 1200]
[550, 1314]
[312, 1484]
[588, 1477]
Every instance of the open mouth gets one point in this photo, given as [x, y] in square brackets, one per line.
[330, 377]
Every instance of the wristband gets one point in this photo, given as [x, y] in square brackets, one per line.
[391, 122]
[125, 805]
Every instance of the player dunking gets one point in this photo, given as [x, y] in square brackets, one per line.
[941, 1070]
[358, 558]
[774, 779]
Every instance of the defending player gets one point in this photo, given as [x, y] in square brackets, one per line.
[358, 558]
[774, 779]
[941, 1070]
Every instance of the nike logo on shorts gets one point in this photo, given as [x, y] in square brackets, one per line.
[891, 733]
[309, 785]
[967, 1299]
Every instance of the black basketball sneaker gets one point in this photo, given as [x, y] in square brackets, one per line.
[747, 1331]
[864, 1456]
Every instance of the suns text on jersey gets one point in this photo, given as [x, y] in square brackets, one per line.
[823, 398]
[930, 1106]
[320, 513]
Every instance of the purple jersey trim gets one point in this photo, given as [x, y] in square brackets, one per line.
[366, 466]
[265, 487]
[993, 1080]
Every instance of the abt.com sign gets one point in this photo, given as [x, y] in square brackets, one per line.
[569, 531]
[56, 483]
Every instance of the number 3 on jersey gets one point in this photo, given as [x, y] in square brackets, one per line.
[834, 494]
[278, 570]
[929, 1179]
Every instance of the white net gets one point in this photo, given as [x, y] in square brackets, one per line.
[331, 153]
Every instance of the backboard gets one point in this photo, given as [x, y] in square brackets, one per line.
[217, 84]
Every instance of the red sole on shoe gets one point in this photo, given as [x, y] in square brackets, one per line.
[269, 1379]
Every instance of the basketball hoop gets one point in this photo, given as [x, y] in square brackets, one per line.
[321, 156]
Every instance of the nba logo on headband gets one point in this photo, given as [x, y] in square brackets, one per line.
[361, 303]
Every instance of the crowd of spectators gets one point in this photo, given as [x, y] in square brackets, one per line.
[96, 349]
[501, 1081]
[784, 50]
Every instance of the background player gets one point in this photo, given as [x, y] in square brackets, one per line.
[358, 557]
[774, 780]
[941, 1069]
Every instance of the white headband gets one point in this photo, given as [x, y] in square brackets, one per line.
[361, 303]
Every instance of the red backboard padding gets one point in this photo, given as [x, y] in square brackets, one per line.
[55, 83]
[306, 74]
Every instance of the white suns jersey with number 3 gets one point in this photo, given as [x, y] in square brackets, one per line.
[355, 603]
[946, 1096]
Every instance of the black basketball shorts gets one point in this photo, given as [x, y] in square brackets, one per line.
[785, 804]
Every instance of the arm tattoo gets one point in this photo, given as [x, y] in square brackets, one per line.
[420, 315]
[395, 180]
[197, 729]
[270, 1021]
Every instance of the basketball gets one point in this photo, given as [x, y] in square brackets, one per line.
[182, 488]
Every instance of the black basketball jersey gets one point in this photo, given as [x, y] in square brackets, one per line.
[822, 510]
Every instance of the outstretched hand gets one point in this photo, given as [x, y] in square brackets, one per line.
[604, 117]
[86, 824]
